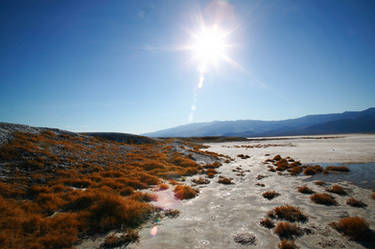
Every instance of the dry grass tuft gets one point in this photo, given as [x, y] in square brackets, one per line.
[201, 180]
[305, 190]
[163, 186]
[287, 244]
[323, 199]
[268, 223]
[184, 192]
[289, 213]
[172, 213]
[355, 203]
[286, 230]
[113, 240]
[338, 168]
[320, 183]
[337, 190]
[270, 195]
[225, 180]
[356, 228]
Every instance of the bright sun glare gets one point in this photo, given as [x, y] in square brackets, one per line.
[209, 46]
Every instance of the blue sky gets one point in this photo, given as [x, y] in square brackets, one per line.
[114, 66]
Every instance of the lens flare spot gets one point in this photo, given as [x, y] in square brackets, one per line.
[154, 231]
[201, 80]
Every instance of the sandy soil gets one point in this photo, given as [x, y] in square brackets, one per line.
[212, 219]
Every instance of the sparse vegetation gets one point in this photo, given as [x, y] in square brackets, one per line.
[305, 190]
[323, 199]
[60, 186]
[338, 168]
[356, 228]
[200, 180]
[320, 183]
[184, 192]
[287, 212]
[355, 203]
[270, 195]
[172, 213]
[225, 180]
[287, 244]
[373, 195]
[242, 156]
[267, 223]
[337, 189]
[113, 240]
[287, 230]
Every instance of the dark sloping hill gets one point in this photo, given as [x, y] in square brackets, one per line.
[122, 137]
[299, 126]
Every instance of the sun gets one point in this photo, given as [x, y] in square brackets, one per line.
[209, 46]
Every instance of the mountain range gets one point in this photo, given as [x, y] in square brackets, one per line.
[336, 123]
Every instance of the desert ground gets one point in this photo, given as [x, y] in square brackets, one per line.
[221, 214]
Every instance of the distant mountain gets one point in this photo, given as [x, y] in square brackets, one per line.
[346, 122]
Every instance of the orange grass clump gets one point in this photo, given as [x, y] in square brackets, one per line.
[62, 186]
[355, 203]
[305, 190]
[268, 223]
[356, 228]
[184, 192]
[287, 244]
[288, 212]
[337, 190]
[338, 168]
[323, 199]
[225, 180]
[270, 195]
[287, 230]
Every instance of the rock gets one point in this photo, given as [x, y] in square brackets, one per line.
[245, 239]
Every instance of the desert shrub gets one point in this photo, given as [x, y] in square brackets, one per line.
[289, 213]
[276, 158]
[126, 191]
[190, 171]
[373, 195]
[356, 228]
[287, 244]
[305, 190]
[184, 192]
[337, 190]
[287, 230]
[338, 168]
[323, 199]
[268, 223]
[211, 173]
[113, 240]
[112, 211]
[320, 183]
[163, 186]
[260, 184]
[200, 180]
[143, 197]
[309, 171]
[295, 170]
[270, 195]
[213, 165]
[172, 213]
[355, 203]
[225, 180]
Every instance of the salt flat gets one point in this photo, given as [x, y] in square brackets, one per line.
[212, 219]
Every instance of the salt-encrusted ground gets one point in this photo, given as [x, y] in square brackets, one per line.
[212, 219]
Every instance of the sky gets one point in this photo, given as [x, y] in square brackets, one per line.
[125, 66]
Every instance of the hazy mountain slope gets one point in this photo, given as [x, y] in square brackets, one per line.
[303, 125]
